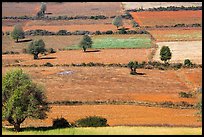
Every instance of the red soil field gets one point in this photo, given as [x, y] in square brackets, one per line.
[78, 56]
[168, 18]
[115, 115]
[109, 83]
[176, 34]
[62, 8]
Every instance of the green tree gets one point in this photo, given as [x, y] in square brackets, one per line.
[17, 33]
[36, 47]
[133, 66]
[21, 99]
[117, 21]
[86, 42]
[165, 54]
[43, 7]
[134, 24]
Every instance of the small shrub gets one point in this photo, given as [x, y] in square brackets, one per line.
[90, 64]
[24, 50]
[7, 33]
[92, 121]
[48, 64]
[185, 95]
[60, 123]
[109, 32]
[51, 50]
[187, 63]
[98, 32]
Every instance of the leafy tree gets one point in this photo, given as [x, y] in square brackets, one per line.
[36, 47]
[86, 42]
[117, 21]
[21, 99]
[17, 33]
[188, 63]
[165, 54]
[43, 7]
[134, 24]
[133, 66]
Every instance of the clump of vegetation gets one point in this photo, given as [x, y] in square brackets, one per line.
[185, 95]
[86, 42]
[36, 47]
[165, 54]
[187, 63]
[134, 24]
[51, 50]
[117, 21]
[48, 64]
[21, 98]
[133, 66]
[92, 121]
[17, 33]
[60, 123]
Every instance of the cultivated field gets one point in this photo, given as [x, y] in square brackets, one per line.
[167, 18]
[107, 83]
[61, 8]
[182, 50]
[146, 5]
[176, 34]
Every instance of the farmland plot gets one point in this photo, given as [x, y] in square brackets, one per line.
[182, 50]
[167, 18]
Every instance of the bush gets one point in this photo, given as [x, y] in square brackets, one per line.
[48, 64]
[187, 63]
[98, 32]
[60, 123]
[24, 50]
[92, 121]
[51, 50]
[122, 31]
[109, 32]
[185, 95]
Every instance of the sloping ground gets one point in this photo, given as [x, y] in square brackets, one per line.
[78, 56]
[167, 18]
[122, 115]
[176, 34]
[115, 84]
[182, 50]
[146, 5]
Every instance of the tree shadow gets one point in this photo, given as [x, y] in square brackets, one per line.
[140, 73]
[47, 57]
[25, 40]
[93, 51]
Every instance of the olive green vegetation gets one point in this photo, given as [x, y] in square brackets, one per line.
[117, 42]
[120, 130]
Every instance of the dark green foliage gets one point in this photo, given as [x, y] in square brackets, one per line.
[117, 21]
[17, 33]
[109, 32]
[36, 47]
[43, 7]
[185, 95]
[91, 121]
[165, 54]
[86, 42]
[62, 32]
[122, 31]
[51, 50]
[133, 66]
[98, 32]
[187, 63]
[134, 24]
[48, 64]
[60, 123]
[21, 99]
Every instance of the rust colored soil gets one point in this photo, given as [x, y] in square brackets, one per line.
[168, 18]
[102, 83]
[176, 34]
[115, 115]
[78, 56]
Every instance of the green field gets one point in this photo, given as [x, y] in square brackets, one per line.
[118, 41]
[120, 130]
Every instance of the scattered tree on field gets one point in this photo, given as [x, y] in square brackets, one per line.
[133, 66]
[17, 33]
[36, 47]
[117, 21]
[86, 42]
[165, 54]
[134, 24]
[43, 7]
[21, 99]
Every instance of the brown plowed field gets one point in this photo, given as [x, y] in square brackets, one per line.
[167, 18]
[176, 34]
[62, 8]
[107, 83]
[115, 115]
[78, 56]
